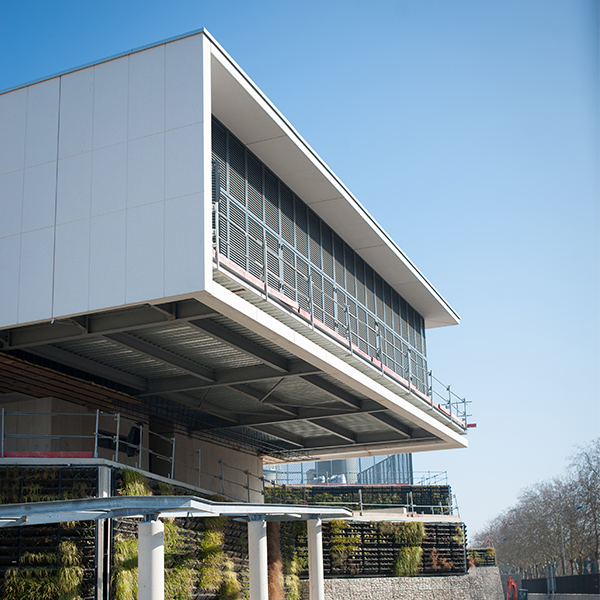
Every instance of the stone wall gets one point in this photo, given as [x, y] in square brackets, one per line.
[482, 583]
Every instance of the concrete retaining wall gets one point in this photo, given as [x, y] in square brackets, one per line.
[482, 583]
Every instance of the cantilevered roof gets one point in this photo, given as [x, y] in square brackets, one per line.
[243, 108]
[225, 369]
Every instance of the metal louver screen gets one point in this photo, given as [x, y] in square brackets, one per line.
[262, 221]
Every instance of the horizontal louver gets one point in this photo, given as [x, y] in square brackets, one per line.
[262, 219]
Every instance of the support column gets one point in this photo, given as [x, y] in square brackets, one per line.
[103, 537]
[257, 558]
[316, 578]
[151, 560]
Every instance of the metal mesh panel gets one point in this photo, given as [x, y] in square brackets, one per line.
[255, 197]
[302, 283]
[360, 280]
[349, 264]
[219, 151]
[273, 262]
[329, 304]
[327, 250]
[237, 236]
[314, 239]
[255, 249]
[271, 201]
[338, 250]
[403, 318]
[286, 201]
[387, 301]
[317, 295]
[237, 170]
[362, 329]
[345, 292]
[378, 286]
[369, 289]
[289, 272]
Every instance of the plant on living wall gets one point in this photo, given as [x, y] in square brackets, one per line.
[343, 544]
[46, 575]
[408, 561]
[180, 567]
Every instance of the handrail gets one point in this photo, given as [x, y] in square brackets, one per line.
[175, 458]
[366, 339]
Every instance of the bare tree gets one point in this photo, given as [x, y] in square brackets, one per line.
[552, 519]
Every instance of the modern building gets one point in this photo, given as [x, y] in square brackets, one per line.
[188, 288]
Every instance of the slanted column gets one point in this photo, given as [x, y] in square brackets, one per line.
[315, 559]
[257, 558]
[151, 559]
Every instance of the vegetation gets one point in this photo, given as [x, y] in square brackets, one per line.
[193, 560]
[46, 575]
[134, 484]
[408, 561]
[342, 542]
[408, 533]
[529, 534]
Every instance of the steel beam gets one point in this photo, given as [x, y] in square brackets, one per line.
[333, 390]
[336, 429]
[242, 344]
[129, 319]
[89, 366]
[130, 341]
[393, 423]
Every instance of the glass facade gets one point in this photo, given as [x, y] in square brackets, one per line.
[270, 233]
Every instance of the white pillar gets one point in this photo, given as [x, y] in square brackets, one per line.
[257, 559]
[151, 560]
[315, 560]
[102, 537]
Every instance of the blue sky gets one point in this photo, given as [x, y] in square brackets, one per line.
[469, 129]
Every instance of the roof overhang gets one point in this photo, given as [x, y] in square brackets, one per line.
[241, 106]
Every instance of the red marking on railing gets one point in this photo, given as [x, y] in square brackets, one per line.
[47, 454]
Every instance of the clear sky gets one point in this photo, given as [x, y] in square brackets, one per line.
[469, 130]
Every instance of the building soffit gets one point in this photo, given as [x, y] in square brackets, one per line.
[218, 375]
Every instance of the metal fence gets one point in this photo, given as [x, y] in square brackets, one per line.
[123, 440]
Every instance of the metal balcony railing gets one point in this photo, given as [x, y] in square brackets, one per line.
[121, 440]
[281, 274]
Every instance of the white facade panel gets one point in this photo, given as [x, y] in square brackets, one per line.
[42, 122]
[76, 112]
[183, 95]
[71, 277]
[111, 85]
[146, 170]
[74, 197]
[35, 280]
[108, 246]
[147, 92]
[11, 193]
[184, 243]
[109, 179]
[119, 163]
[39, 197]
[145, 252]
[10, 251]
[183, 161]
[13, 119]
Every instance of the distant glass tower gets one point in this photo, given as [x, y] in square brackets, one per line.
[395, 468]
